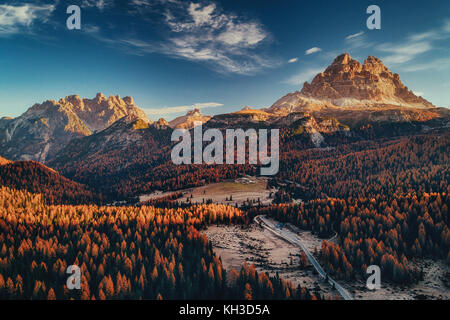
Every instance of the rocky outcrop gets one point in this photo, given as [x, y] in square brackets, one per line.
[187, 121]
[161, 124]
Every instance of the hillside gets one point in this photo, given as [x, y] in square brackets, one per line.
[36, 178]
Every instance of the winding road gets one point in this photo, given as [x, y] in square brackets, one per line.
[291, 237]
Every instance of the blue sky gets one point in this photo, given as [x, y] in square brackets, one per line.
[218, 55]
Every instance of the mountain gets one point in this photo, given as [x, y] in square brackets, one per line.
[35, 177]
[349, 85]
[247, 117]
[131, 146]
[187, 121]
[46, 128]
[161, 124]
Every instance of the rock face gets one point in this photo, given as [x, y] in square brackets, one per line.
[346, 83]
[161, 124]
[46, 128]
[187, 121]
[101, 112]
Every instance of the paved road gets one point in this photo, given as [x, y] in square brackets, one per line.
[291, 237]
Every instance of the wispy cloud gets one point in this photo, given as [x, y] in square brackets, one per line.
[180, 109]
[20, 18]
[414, 46]
[437, 64]
[303, 76]
[357, 41]
[446, 27]
[352, 36]
[403, 52]
[312, 50]
[225, 41]
[200, 32]
[100, 4]
[293, 60]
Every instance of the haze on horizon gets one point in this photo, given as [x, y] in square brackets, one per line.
[218, 56]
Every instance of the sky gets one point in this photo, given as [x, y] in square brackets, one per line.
[219, 56]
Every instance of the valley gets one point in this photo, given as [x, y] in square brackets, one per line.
[270, 254]
[246, 189]
[363, 180]
[275, 255]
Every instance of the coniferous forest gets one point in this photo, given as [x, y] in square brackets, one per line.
[123, 253]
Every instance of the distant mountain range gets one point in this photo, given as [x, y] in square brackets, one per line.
[86, 139]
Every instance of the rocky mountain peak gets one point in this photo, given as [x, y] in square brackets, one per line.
[347, 83]
[195, 112]
[99, 98]
[187, 121]
[344, 63]
[128, 100]
[161, 124]
[343, 59]
[374, 65]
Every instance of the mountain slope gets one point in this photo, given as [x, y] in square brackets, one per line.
[37, 178]
[46, 128]
[129, 147]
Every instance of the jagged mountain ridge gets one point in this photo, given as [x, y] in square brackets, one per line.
[347, 95]
[348, 84]
[44, 129]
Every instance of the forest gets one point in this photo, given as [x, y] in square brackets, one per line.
[385, 201]
[123, 252]
[382, 231]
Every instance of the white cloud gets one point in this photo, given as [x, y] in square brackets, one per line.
[303, 76]
[427, 35]
[312, 50]
[202, 16]
[418, 93]
[352, 36]
[357, 41]
[202, 33]
[180, 109]
[225, 42]
[437, 64]
[403, 52]
[246, 34]
[415, 45]
[446, 27]
[100, 4]
[293, 60]
[14, 19]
